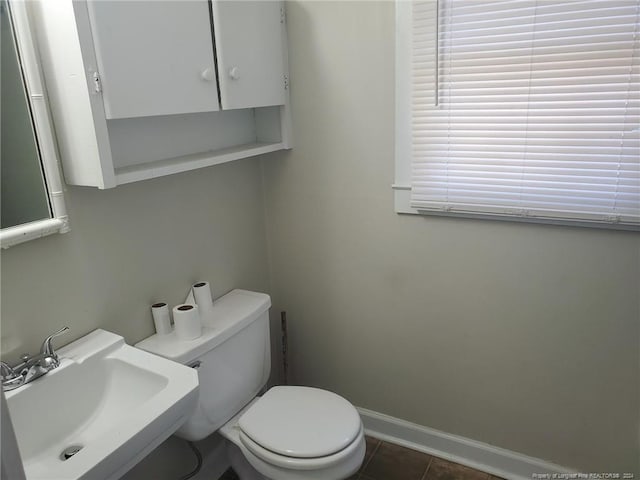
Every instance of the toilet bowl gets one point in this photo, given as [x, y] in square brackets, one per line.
[290, 432]
[295, 433]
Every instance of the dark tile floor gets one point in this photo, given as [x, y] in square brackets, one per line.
[229, 475]
[386, 461]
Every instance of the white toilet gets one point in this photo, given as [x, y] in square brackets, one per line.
[289, 433]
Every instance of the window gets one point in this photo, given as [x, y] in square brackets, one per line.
[519, 109]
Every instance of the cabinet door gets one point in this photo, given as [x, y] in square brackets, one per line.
[154, 57]
[250, 51]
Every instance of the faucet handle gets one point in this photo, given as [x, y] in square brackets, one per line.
[6, 371]
[47, 348]
[10, 379]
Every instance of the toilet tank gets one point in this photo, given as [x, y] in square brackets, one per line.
[232, 356]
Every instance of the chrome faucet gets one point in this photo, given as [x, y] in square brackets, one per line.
[31, 367]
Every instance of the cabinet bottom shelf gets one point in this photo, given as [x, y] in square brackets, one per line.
[185, 163]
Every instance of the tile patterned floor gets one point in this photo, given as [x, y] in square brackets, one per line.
[229, 475]
[386, 461]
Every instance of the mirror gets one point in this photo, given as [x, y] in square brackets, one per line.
[31, 203]
[23, 191]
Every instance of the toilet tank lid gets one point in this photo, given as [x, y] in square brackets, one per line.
[231, 313]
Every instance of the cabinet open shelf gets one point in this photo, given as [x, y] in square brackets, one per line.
[185, 163]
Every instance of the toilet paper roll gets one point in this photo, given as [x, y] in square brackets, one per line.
[161, 319]
[186, 321]
[202, 296]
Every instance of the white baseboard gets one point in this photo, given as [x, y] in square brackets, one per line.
[477, 455]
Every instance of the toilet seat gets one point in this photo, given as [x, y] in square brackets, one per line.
[293, 463]
[266, 470]
[300, 423]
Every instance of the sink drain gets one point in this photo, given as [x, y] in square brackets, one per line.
[69, 452]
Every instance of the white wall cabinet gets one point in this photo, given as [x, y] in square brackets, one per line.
[141, 89]
[250, 53]
[154, 58]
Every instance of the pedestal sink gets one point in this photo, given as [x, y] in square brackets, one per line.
[101, 411]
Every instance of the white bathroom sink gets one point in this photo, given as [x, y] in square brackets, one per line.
[113, 400]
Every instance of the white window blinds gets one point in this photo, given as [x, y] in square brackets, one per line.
[527, 108]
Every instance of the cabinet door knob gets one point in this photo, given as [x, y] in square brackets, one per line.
[234, 73]
[208, 74]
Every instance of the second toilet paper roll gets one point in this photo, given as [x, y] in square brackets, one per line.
[161, 320]
[202, 296]
[186, 321]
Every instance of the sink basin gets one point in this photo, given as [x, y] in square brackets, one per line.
[105, 407]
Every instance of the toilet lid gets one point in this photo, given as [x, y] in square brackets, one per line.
[301, 422]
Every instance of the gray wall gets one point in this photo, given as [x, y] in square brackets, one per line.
[131, 246]
[521, 336]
